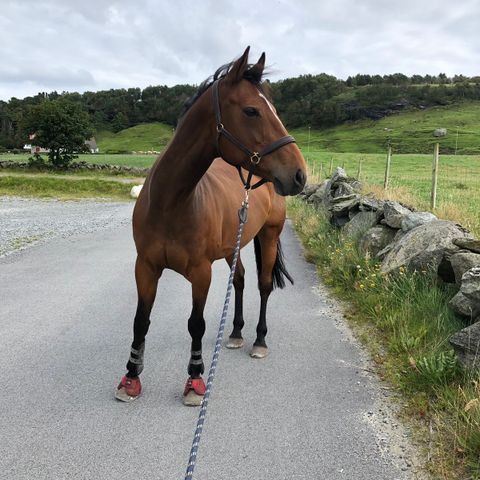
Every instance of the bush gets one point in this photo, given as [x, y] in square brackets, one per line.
[36, 161]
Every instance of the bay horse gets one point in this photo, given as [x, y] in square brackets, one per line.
[186, 217]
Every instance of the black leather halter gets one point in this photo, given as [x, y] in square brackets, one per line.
[254, 157]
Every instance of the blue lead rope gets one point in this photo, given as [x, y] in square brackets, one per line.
[242, 214]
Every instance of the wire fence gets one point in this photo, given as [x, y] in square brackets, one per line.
[447, 184]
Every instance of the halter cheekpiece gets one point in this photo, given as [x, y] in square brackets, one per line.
[255, 157]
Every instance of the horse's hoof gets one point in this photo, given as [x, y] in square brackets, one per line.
[194, 391]
[191, 399]
[234, 343]
[259, 352]
[129, 389]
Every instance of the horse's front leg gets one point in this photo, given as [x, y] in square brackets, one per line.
[200, 278]
[146, 276]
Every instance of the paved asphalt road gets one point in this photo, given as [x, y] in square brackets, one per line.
[66, 310]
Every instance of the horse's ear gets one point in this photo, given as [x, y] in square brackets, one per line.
[238, 68]
[257, 69]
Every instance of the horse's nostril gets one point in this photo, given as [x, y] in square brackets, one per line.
[300, 178]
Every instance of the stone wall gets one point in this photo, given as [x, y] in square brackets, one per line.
[401, 237]
[75, 167]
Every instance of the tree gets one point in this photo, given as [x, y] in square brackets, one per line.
[61, 126]
[119, 122]
[442, 78]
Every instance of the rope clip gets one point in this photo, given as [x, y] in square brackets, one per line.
[243, 211]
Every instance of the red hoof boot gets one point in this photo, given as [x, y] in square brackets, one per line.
[129, 389]
[194, 392]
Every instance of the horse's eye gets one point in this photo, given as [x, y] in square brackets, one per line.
[251, 112]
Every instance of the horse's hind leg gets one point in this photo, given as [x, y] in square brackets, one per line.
[236, 340]
[266, 254]
[146, 276]
[200, 278]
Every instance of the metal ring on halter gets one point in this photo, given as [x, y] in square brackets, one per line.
[255, 158]
[220, 127]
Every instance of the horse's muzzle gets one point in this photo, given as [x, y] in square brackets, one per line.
[290, 186]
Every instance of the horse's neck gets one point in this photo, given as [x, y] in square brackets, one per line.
[185, 161]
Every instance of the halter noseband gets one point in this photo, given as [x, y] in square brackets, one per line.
[254, 157]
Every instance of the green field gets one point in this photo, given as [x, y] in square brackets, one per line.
[409, 132]
[144, 137]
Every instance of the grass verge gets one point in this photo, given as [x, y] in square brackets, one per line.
[63, 188]
[405, 323]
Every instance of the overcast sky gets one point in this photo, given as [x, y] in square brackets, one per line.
[79, 45]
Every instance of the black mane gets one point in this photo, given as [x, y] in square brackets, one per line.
[251, 75]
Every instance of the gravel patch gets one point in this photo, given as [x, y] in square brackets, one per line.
[25, 222]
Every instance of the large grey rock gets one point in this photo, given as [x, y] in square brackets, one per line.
[319, 195]
[466, 344]
[462, 262]
[341, 189]
[471, 244]
[467, 301]
[415, 219]
[352, 213]
[394, 213]
[398, 235]
[309, 190]
[339, 175]
[337, 190]
[355, 184]
[341, 205]
[360, 223]
[371, 203]
[376, 239]
[440, 132]
[339, 221]
[424, 247]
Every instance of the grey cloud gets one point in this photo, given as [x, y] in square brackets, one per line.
[48, 75]
[104, 44]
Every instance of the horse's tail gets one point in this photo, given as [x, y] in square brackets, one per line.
[279, 272]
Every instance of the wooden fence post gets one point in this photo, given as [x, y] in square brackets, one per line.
[331, 166]
[359, 171]
[436, 151]
[321, 170]
[387, 167]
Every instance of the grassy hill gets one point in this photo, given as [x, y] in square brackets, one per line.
[144, 137]
[409, 132]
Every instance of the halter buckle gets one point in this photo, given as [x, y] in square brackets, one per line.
[255, 158]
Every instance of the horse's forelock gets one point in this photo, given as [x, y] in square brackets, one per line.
[252, 75]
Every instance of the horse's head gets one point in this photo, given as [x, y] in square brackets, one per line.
[250, 133]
